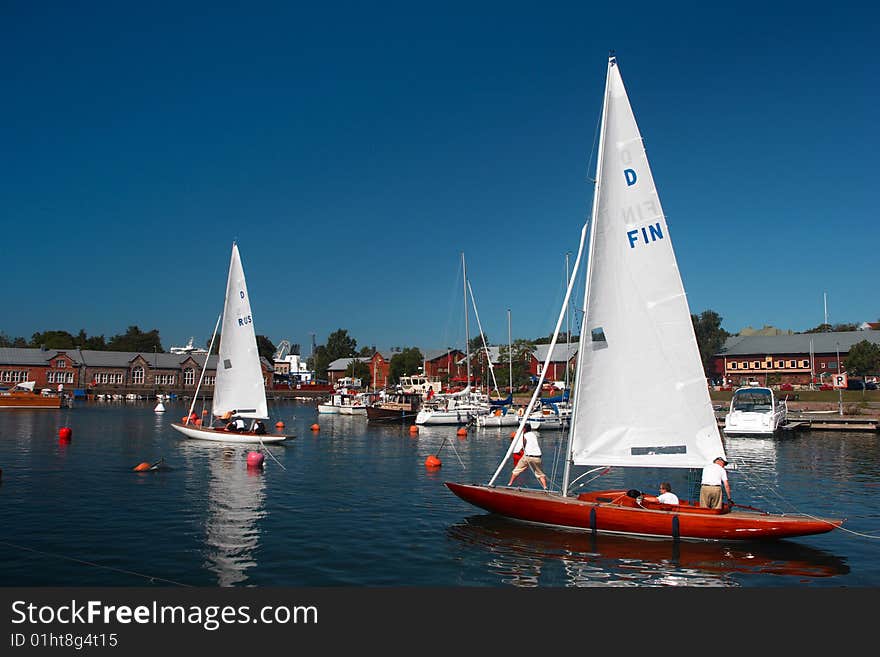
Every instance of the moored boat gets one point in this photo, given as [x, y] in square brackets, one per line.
[23, 395]
[395, 407]
[755, 411]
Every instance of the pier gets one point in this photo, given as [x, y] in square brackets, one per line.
[821, 422]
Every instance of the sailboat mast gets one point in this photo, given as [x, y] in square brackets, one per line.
[204, 367]
[467, 336]
[567, 328]
[597, 187]
[510, 351]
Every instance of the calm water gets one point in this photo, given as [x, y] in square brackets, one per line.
[353, 505]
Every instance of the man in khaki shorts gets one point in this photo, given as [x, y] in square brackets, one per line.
[531, 457]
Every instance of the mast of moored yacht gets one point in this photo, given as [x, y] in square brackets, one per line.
[594, 215]
[467, 336]
[204, 367]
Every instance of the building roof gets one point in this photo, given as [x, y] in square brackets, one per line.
[93, 358]
[562, 353]
[341, 364]
[799, 343]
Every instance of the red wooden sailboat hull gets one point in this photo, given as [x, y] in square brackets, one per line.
[616, 512]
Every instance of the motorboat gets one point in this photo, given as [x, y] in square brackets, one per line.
[755, 411]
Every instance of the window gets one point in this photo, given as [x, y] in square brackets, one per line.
[805, 363]
[137, 375]
[780, 364]
[732, 365]
[209, 380]
[189, 376]
[792, 363]
[69, 377]
[598, 334]
[50, 377]
[60, 364]
[756, 365]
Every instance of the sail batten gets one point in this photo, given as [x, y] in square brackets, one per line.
[641, 395]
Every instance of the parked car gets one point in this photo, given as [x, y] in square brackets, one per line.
[860, 384]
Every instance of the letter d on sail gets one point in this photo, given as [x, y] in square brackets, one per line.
[630, 177]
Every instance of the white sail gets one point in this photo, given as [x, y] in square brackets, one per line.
[239, 385]
[641, 397]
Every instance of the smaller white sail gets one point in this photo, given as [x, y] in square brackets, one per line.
[239, 385]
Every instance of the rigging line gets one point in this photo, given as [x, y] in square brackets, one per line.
[271, 454]
[92, 563]
[774, 490]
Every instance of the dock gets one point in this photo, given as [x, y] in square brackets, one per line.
[821, 422]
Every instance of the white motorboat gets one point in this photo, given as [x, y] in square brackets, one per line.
[755, 411]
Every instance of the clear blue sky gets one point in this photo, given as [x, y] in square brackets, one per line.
[354, 150]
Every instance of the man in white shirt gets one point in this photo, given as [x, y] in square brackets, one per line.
[666, 495]
[531, 457]
[714, 476]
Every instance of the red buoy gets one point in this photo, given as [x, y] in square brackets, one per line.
[413, 428]
[461, 432]
[316, 427]
[255, 459]
[142, 467]
[432, 462]
[65, 433]
[279, 424]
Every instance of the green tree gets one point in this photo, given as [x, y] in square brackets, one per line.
[6, 341]
[341, 345]
[136, 340]
[863, 358]
[522, 351]
[265, 347]
[710, 337]
[358, 369]
[407, 361]
[96, 343]
[52, 340]
[320, 361]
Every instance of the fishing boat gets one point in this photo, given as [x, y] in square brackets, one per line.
[24, 395]
[636, 320]
[754, 411]
[239, 389]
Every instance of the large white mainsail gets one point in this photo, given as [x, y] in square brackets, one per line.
[641, 397]
[239, 385]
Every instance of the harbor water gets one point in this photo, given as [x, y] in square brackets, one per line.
[354, 505]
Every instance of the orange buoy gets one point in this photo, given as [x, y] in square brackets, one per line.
[279, 424]
[413, 428]
[65, 433]
[513, 434]
[461, 432]
[316, 427]
[142, 467]
[432, 462]
[205, 412]
[255, 459]
[198, 422]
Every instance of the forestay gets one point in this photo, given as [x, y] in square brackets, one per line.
[641, 397]
[239, 385]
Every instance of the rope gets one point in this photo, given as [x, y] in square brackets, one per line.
[262, 444]
[92, 563]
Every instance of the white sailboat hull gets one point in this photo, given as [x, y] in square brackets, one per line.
[328, 409]
[223, 436]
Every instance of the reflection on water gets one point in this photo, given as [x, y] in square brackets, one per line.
[523, 554]
[235, 497]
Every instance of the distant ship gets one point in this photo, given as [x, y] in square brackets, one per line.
[188, 349]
